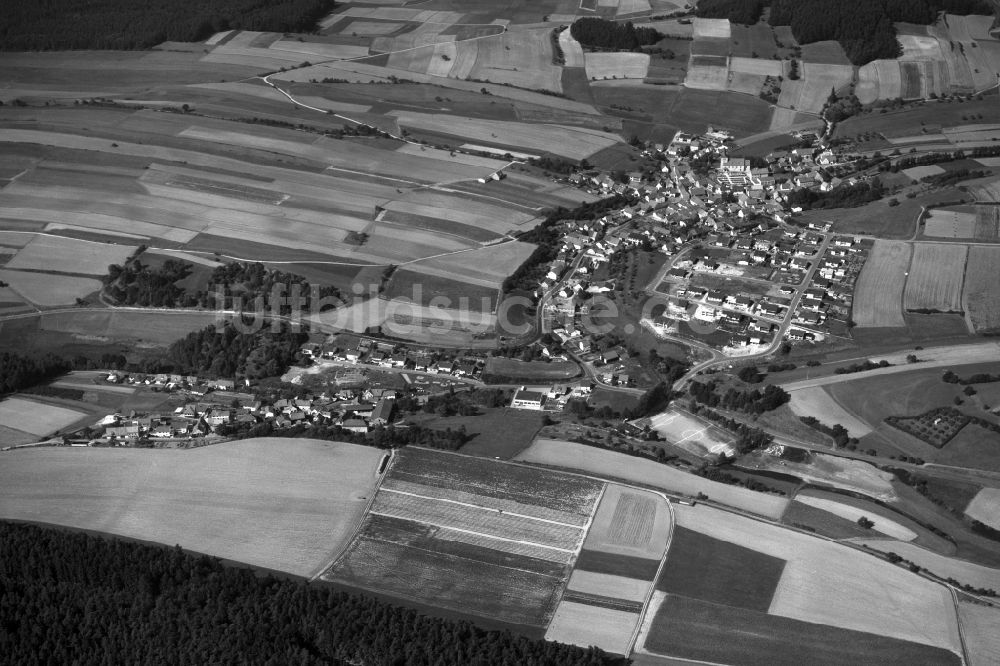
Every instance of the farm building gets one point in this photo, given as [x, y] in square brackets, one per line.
[528, 400]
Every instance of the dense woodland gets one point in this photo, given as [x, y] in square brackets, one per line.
[754, 401]
[863, 27]
[48, 25]
[744, 12]
[226, 351]
[138, 284]
[602, 34]
[19, 372]
[70, 598]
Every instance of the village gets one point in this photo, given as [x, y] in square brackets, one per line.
[738, 274]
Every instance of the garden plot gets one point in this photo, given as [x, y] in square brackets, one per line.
[855, 591]
[519, 57]
[982, 294]
[616, 65]
[714, 28]
[707, 73]
[816, 402]
[570, 142]
[935, 278]
[756, 66]
[36, 419]
[68, 255]
[585, 625]
[881, 525]
[559, 453]
[46, 290]
[630, 522]
[985, 507]
[878, 297]
[286, 505]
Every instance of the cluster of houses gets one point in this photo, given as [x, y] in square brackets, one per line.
[388, 355]
[354, 410]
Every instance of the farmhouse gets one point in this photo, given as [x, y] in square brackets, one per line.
[528, 399]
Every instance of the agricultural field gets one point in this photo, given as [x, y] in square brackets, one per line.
[935, 278]
[754, 41]
[712, 28]
[570, 455]
[781, 606]
[981, 294]
[602, 66]
[982, 642]
[954, 222]
[837, 505]
[630, 522]
[818, 403]
[824, 53]
[283, 504]
[49, 290]
[707, 72]
[967, 573]
[470, 535]
[878, 296]
[693, 110]
[985, 507]
[68, 255]
[34, 418]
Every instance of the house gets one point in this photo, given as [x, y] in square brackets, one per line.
[528, 399]
[355, 425]
[610, 356]
[382, 412]
[122, 432]
[222, 384]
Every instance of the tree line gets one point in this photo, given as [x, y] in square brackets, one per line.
[863, 27]
[19, 372]
[844, 196]
[73, 598]
[755, 401]
[48, 25]
[603, 34]
[381, 437]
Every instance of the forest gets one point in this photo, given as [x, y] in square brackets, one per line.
[20, 372]
[72, 598]
[49, 25]
[744, 12]
[227, 351]
[602, 34]
[863, 27]
[135, 283]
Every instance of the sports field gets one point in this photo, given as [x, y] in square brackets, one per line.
[283, 504]
[878, 296]
[691, 434]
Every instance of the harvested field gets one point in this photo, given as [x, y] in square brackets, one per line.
[756, 66]
[559, 453]
[715, 28]
[707, 73]
[987, 191]
[719, 572]
[630, 522]
[878, 295]
[586, 625]
[488, 266]
[855, 592]
[697, 630]
[570, 142]
[981, 293]
[68, 255]
[949, 223]
[616, 65]
[882, 525]
[879, 79]
[35, 418]
[819, 80]
[283, 504]
[985, 507]
[48, 290]
[816, 402]
[982, 639]
[945, 567]
[520, 57]
[441, 292]
[612, 587]
[935, 280]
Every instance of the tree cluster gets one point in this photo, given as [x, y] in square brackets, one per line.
[751, 402]
[863, 27]
[845, 196]
[20, 372]
[861, 367]
[228, 352]
[458, 403]
[254, 282]
[126, 25]
[138, 284]
[603, 34]
[745, 12]
[979, 378]
[72, 598]
[841, 436]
